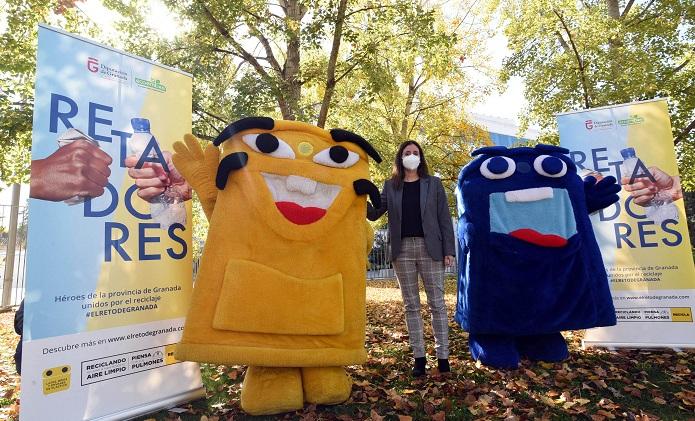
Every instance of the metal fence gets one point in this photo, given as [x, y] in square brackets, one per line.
[20, 255]
[379, 260]
[380, 266]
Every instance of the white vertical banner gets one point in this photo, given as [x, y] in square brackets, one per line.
[109, 274]
[644, 237]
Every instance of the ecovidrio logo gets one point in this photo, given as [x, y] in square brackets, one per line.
[631, 120]
[153, 84]
[92, 64]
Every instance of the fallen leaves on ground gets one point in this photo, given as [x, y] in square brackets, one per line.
[594, 384]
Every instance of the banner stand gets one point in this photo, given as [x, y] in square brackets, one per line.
[643, 237]
[677, 347]
[109, 266]
[170, 402]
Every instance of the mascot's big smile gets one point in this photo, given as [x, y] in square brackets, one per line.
[301, 200]
[542, 216]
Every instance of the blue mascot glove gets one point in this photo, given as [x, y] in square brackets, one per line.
[602, 194]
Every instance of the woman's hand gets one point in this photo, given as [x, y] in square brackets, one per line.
[448, 261]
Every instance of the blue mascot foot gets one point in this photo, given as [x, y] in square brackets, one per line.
[494, 350]
[551, 347]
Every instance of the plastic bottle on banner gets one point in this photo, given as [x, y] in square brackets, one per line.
[168, 208]
[661, 207]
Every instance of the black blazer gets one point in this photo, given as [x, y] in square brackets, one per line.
[434, 209]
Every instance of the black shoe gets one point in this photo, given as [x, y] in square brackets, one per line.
[419, 368]
[443, 365]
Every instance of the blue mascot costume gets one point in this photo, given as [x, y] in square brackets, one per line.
[529, 264]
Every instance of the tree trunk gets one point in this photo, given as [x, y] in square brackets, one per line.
[613, 8]
[614, 43]
[412, 89]
[332, 60]
[408, 108]
[292, 89]
[578, 58]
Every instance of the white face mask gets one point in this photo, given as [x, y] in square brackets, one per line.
[411, 162]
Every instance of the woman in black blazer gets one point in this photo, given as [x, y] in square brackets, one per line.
[422, 242]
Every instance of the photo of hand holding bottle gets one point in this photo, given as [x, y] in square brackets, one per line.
[655, 191]
[152, 180]
[78, 169]
[164, 188]
[643, 190]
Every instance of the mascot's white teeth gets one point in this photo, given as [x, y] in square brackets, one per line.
[529, 195]
[301, 190]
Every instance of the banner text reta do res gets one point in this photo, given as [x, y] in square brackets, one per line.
[109, 274]
[644, 237]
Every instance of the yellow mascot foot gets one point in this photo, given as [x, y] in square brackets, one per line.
[326, 385]
[271, 390]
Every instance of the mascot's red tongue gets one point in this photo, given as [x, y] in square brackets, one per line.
[299, 214]
[535, 237]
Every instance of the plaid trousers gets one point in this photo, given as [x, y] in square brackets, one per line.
[414, 260]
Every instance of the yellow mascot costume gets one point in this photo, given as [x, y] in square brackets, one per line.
[281, 286]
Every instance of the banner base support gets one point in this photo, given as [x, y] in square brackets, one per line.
[140, 410]
[613, 346]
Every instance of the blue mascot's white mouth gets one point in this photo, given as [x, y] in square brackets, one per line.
[542, 215]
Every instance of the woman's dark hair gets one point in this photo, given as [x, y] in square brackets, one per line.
[398, 172]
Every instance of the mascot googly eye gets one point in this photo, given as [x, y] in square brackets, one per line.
[268, 144]
[337, 157]
[550, 166]
[497, 168]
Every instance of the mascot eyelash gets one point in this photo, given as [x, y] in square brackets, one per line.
[238, 160]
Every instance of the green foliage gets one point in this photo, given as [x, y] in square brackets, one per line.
[601, 52]
[400, 71]
[412, 85]
[200, 228]
[17, 67]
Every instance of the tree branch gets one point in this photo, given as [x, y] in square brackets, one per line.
[563, 43]
[256, 32]
[412, 90]
[438, 104]
[642, 12]
[419, 83]
[230, 52]
[628, 6]
[364, 9]
[680, 67]
[345, 73]
[332, 60]
[684, 133]
[465, 16]
[216, 117]
[580, 63]
[241, 52]
[415, 120]
[202, 117]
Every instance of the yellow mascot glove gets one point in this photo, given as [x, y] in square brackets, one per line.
[199, 169]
